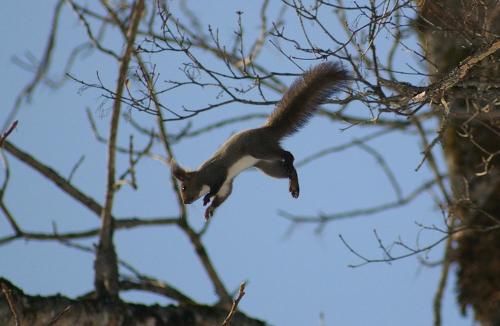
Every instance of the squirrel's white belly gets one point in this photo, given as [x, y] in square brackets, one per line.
[242, 164]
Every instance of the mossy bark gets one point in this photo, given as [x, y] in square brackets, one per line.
[451, 31]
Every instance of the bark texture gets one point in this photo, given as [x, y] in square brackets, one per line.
[62, 311]
[451, 32]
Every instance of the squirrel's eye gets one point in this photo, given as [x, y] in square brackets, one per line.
[183, 188]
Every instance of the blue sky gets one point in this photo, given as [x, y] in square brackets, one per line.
[292, 277]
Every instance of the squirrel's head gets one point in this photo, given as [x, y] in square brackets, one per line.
[191, 188]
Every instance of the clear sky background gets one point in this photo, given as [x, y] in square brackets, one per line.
[293, 277]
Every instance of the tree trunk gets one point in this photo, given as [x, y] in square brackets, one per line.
[451, 31]
[17, 308]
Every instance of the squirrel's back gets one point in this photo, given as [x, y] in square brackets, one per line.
[306, 93]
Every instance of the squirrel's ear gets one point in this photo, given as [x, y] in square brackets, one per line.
[178, 172]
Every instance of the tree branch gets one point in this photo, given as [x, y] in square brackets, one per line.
[438, 88]
[106, 267]
[55, 177]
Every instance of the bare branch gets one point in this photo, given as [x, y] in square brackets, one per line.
[55, 177]
[41, 69]
[324, 218]
[391, 258]
[120, 224]
[385, 167]
[90, 34]
[193, 236]
[155, 286]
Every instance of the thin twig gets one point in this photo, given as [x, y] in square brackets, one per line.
[438, 297]
[59, 315]
[7, 292]
[432, 161]
[7, 132]
[234, 306]
[75, 167]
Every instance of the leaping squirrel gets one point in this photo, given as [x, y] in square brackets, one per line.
[260, 147]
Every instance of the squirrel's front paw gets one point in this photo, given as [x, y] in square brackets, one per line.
[209, 212]
[294, 189]
[206, 200]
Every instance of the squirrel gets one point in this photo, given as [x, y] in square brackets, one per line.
[260, 147]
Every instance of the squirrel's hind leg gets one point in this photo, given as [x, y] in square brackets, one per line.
[275, 169]
[292, 174]
[279, 164]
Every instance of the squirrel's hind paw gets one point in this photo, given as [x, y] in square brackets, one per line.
[294, 189]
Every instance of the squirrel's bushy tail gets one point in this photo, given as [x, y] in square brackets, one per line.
[305, 94]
